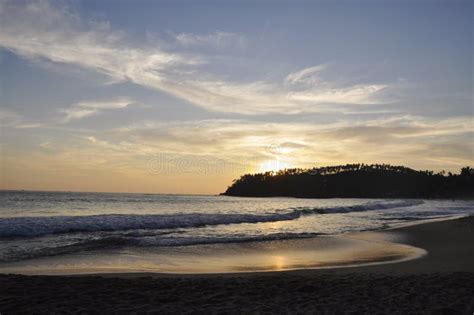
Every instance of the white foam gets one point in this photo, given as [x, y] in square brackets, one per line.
[38, 226]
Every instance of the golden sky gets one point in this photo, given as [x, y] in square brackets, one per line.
[146, 97]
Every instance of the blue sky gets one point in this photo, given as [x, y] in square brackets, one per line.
[95, 93]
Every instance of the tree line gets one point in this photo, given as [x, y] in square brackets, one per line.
[355, 181]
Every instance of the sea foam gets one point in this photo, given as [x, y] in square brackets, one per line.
[38, 226]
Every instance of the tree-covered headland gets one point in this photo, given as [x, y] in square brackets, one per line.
[355, 181]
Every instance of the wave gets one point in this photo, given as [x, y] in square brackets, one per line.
[373, 205]
[187, 241]
[39, 226]
[110, 242]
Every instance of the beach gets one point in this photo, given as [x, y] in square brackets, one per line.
[236, 157]
[440, 281]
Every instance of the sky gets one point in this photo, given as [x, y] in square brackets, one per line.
[185, 96]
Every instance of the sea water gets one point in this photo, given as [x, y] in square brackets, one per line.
[35, 225]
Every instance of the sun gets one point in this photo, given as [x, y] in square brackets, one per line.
[273, 166]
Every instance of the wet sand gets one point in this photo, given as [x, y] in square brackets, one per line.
[442, 281]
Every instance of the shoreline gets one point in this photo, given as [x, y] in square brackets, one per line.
[440, 282]
[359, 250]
[427, 236]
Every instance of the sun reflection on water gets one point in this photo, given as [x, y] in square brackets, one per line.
[279, 262]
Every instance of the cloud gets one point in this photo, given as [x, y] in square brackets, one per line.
[29, 125]
[77, 113]
[399, 139]
[88, 108]
[40, 31]
[358, 94]
[217, 39]
[306, 75]
[46, 145]
[9, 118]
[236, 147]
[111, 104]
[14, 120]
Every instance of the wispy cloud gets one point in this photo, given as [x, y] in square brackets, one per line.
[224, 149]
[398, 139]
[14, 120]
[9, 118]
[306, 75]
[29, 125]
[38, 29]
[217, 39]
[41, 31]
[358, 94]
[88, 108]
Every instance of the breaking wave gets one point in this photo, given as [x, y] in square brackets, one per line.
[39, 226]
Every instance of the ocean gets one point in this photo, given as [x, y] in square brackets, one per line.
[37, 225]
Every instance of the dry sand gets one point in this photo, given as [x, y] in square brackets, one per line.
[440, 282]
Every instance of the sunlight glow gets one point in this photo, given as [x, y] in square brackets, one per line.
[273, 166]
[279, 262]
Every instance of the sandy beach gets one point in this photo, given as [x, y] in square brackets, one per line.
[440, 281]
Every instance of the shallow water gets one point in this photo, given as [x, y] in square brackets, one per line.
[311, 253]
